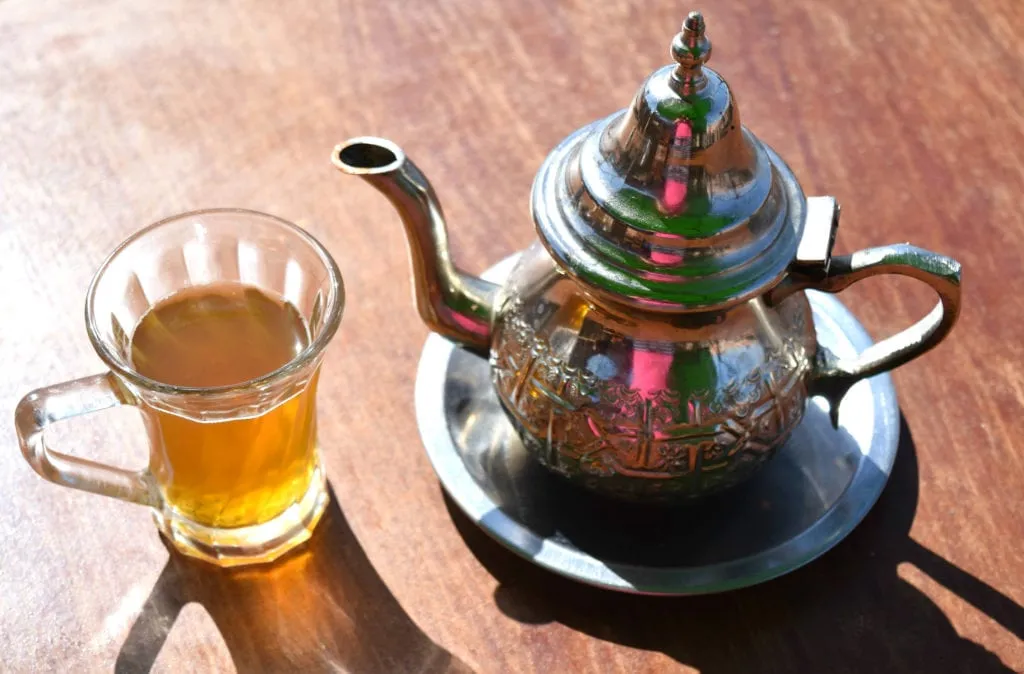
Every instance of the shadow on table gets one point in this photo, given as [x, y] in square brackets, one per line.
[846, 612]
[322, 608]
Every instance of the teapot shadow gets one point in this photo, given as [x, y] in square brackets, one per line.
[322, 607]
[849, 611]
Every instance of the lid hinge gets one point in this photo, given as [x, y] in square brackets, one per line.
[814, 252]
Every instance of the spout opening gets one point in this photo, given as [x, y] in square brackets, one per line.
[367, 156]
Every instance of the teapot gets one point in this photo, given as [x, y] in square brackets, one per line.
[656, 343]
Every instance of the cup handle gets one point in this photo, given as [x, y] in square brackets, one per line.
[832, 376]
[42, 407]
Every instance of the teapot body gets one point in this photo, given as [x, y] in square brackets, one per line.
[647, 407]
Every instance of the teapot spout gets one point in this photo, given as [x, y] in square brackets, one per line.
[451, 302]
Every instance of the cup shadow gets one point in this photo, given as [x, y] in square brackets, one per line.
[321, 608]
[849, 611]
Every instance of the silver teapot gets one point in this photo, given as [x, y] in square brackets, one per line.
[656, 343]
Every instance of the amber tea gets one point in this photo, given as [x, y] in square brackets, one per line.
[245, 470]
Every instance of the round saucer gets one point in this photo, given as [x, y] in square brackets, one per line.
[810, 496]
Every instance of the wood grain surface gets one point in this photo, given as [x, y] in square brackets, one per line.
[115, 114]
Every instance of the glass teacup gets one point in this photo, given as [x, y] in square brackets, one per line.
[234, 473]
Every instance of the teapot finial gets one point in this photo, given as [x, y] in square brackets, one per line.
[691, 49]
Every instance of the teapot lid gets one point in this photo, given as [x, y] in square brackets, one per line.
[671, 204]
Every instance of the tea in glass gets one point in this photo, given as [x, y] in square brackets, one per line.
[233, 472]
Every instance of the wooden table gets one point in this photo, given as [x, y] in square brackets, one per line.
[115, 114]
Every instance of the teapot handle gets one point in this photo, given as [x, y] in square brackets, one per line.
[832, 376]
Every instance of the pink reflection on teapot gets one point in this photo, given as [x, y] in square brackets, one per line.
[677, 176]
[470, 324]
[650, 371]
[661, 257]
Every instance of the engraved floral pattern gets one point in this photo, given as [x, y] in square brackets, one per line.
[579, 425]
